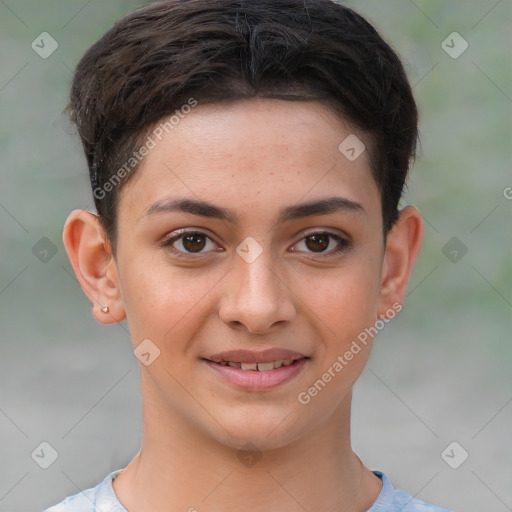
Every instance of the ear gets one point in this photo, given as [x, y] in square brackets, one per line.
[402, 247]
[91, 257]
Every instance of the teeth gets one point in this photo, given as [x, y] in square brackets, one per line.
[262, 367]
[249, 366]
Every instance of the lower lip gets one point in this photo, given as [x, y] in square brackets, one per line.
[256, 380]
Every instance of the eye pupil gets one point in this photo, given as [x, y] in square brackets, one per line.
[320, 242]
[196, 240]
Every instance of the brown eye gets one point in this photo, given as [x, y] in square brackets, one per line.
[190, 243]
[317, 242]
[321, 244]
[194, 242]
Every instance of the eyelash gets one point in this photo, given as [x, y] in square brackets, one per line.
[344, 245]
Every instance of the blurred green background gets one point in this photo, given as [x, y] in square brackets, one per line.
[440, 372]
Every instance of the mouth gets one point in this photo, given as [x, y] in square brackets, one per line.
[276, 356]
[258, 367]
[257, 371]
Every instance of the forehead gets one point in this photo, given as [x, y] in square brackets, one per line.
[254, 152]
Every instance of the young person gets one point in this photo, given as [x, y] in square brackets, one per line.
[246, 159]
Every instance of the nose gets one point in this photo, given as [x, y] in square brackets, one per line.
[256, 297]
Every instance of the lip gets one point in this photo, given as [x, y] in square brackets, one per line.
[251, 380]
[251, 356]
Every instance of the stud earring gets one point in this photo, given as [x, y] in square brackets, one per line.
[105, 309]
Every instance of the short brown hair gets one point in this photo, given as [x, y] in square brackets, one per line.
[152, 61]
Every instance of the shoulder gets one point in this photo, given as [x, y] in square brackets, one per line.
[392, 500]
[404, 502]
[101, 497]
[81, 502]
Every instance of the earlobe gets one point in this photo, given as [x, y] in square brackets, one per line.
[402, 247]
[94, 265]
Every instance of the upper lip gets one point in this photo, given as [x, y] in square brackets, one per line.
[251, 356]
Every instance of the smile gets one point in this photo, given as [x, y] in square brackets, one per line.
[257, 376]
[259, 367]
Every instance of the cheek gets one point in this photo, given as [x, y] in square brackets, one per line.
[345, 300]
[161, 302]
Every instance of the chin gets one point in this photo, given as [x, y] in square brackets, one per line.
[258, 430]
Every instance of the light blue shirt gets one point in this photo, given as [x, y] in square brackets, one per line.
[103, 499]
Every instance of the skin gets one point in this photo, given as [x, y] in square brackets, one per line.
[253, 157]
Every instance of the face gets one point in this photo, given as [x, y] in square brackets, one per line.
[283, 263]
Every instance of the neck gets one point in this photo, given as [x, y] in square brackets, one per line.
[179, 468]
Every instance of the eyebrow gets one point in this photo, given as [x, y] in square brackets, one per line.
[328, 205]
